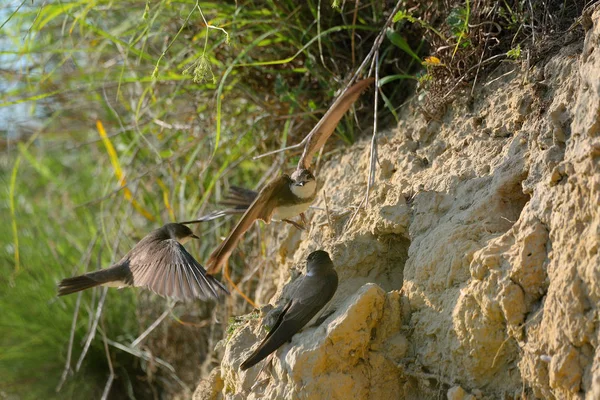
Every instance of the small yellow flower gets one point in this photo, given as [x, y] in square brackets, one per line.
[432, 61]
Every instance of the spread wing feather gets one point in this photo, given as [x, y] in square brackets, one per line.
[261, 208]
[326, 126]
[175, 273]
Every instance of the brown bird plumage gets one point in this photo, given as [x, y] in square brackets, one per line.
[313, 292]
[326, 125]
[287, 196]
[279, 199]
[158, 262]
[239, 199]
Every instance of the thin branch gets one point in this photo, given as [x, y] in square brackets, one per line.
[319, 157]
[67, 369]
[375, 48]
[294, 146]
[298, 114]
[464, 76]
[94, 326]
[327, 212]
[373, 150]
[488, 83]
[319, 43]
[376, 45]
[377, 42]
[111, 377]
[532, 30]
[84, 261]
[92, 331]
[349, 223]
[265, 364]
[147, 356]
[353, 44]
[152, 327]
[249, 274]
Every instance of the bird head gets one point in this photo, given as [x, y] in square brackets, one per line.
[302, 176]
[318, 260]
[180, 232]
[304, 183]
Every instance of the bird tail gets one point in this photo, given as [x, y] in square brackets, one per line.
[268, 346]
[76, 284]
[274, 339]
[239, 197]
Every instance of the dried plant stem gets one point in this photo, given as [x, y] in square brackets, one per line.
[369, 57]
[67, 369]
[295, 146]
[478, 65]
[152, 326]
[92, 331]
[265, 364]
[373, 149]
[235, 287]
[327, 212]
[84, 261]
[353, 44]
[111, 377]
[145, 355]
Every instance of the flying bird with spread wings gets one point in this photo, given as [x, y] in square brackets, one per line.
[287, 196]
[158, 262]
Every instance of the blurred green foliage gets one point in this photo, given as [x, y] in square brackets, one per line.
[122, 116]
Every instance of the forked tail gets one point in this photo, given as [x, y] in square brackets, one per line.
[76, 284]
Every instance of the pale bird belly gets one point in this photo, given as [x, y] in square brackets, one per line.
[287, 212]
[117, 284]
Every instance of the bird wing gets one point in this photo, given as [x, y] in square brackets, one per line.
[261, 208]
[326, 126]
[308, 299]
[171, 271]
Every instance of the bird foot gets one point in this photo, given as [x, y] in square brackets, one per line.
[297, 225]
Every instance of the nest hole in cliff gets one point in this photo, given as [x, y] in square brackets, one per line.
[391, 258]
[512, 200]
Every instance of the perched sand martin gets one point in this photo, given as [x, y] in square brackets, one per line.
[313, 292]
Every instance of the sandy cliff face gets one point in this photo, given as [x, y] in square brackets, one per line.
[473, 272]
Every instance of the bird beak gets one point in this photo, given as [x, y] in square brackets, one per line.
[195, 237]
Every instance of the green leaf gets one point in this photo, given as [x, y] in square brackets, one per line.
[391, 78]
[404, 15]
[400, 42]
[514, 53]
